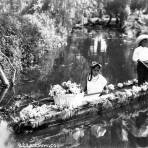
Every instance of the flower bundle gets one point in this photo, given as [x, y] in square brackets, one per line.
[67, 94]
[72, 88]
[31, 112]
[57, 90]
[65, 88]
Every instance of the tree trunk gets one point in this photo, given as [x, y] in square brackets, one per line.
[11, 6]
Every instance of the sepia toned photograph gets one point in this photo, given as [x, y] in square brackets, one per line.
[73, 73]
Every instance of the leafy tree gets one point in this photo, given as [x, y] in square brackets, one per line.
[116, 8]
[138, 5]
[26, 37]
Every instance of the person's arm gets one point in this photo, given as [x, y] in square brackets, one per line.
[103, 83]
[135, 57]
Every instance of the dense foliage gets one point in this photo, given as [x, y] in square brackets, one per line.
[26, 38]
[31, 28]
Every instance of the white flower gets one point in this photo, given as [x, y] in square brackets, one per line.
[68, 83]
[144, 87]
[136, 89]
[64, 84]
[111, 87]
[111, 96]
[129, 82]
[120, 85]
[128, 93]
[135, 80]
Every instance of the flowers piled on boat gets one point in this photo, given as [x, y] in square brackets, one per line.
[34, 112]
[67, 94]
[112, 87]
[65, 88]
[133, 91]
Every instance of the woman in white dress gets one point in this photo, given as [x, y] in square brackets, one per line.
[95, 82]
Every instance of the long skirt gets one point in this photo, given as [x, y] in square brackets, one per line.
[142, 72]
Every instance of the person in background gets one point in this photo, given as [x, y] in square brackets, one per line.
[140, 58]
[95, 82]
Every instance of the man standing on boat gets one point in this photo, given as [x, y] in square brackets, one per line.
[140, 57]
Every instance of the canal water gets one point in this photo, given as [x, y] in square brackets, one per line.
[118, 129]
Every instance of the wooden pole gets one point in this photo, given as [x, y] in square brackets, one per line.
[6, 81]
[3, 77]
[3, 93]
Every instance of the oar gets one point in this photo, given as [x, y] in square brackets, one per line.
[44, 99]
[50, 99]
[98, 93]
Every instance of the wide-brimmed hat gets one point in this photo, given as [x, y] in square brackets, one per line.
[94, 64]
[141, 37]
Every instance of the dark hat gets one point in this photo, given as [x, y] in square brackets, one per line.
[95, 64]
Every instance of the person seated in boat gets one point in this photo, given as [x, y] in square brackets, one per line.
[95, 82]
[140, 58]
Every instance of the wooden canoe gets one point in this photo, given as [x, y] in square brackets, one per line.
[94, 107]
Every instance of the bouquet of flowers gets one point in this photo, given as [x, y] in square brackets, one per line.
[67, 94]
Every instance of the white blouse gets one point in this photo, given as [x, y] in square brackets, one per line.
[140, 53]
[96, 85]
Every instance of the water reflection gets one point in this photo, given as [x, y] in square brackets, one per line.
[127, 128]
